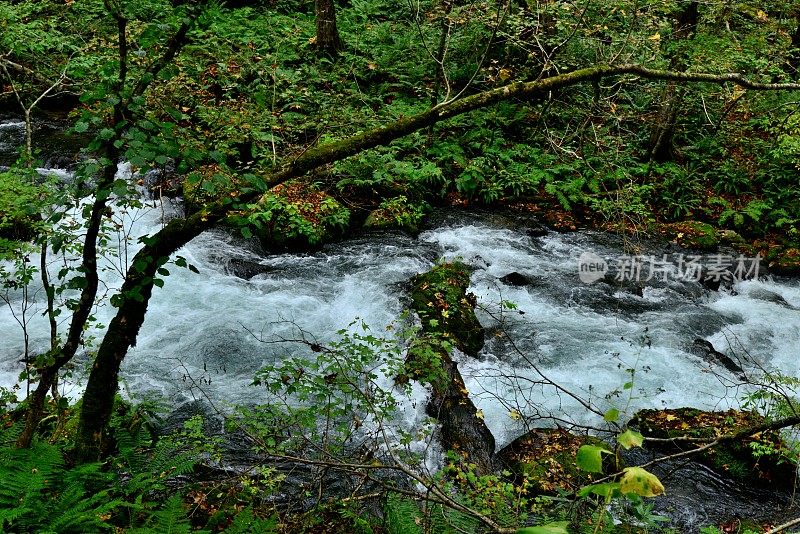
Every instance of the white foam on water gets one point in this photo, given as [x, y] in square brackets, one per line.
[12, 125]
[579, 341]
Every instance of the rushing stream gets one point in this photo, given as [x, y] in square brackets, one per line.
[204, 327]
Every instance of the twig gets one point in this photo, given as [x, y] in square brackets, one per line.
[784, 526]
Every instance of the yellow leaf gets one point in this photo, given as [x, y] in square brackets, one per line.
[479, 414]
[515, 415]
[641, 482]
[630, 438]
[655, 37]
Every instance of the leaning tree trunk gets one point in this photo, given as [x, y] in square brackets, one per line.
[327, 39]
[662, 136]
[101, 388]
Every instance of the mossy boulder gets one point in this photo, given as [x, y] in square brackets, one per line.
[761, 459]
[446, 308]
[786, 262]
[398, 213]
[543, 461]
[695, 235]
[297, 215]
[731, 237]
[293, 215]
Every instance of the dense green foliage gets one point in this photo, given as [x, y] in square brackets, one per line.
[250, 89]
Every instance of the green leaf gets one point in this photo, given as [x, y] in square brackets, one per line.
[606, 489]
[630, 438]
[590, 458]
[611, 415]
[158, 282]
[120, 188]
[641, 482]
[556, 527]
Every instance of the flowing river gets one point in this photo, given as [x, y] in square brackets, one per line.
[204, 329]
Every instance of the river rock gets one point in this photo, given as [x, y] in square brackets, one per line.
[517, 279]
[246, 268]
[462, 429]
[706, 350]
[444, 306]
[446, 311]
[766, 295]
[398, 213]
[544, 459]
[763, 459]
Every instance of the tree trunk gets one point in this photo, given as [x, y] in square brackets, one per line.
[98, 399]
[35, 410]
[662, 138]
[328, 39]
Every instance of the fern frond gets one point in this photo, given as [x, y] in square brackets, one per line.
[246, 522]
[402, 515]
[171, 519]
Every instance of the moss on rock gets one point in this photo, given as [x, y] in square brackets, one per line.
[786, 262]
[291, 215]
[695, 235]
[297, 215]
[20, 202]
[544, 460]
[759, 459]
[397, 213]
[445, 308]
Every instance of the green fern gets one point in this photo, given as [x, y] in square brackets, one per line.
[38, 494]
[171, 519]
[8, 436]
[446, 521]
[246, 522]
[402, 515]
